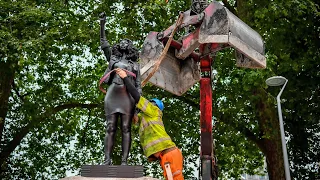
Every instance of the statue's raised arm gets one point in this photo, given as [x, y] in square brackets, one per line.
[103, 40]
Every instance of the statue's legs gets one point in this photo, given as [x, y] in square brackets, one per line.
[126, 137]
[110, 136]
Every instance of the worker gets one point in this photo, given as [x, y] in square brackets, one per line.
[156, 143]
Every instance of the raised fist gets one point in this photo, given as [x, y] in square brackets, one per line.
[102, 16]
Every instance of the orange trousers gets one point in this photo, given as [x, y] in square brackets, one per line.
[175, 159]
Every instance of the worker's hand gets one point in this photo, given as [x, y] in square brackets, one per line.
[121, 73]
[135, 119]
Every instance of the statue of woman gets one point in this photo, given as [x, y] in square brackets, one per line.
[118, 103]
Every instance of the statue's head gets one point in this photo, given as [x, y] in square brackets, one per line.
[126, 46]
[197, 6]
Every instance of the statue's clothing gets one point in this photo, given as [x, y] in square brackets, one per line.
[117, 98]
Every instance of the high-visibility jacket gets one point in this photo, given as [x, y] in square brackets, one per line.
[153, 136]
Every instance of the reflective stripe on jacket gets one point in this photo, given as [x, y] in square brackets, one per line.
[153, 136]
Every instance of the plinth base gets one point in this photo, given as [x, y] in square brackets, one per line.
[101, 178]
[112, 171]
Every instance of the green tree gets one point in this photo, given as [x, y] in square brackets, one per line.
[51, 112]
[291, 32]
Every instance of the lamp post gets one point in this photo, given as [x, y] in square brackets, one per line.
[278, 81]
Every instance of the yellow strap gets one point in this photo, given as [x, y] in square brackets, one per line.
[145, 104]
[152, 143]
[145, 125]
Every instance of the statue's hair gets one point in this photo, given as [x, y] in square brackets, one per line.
[131, 52]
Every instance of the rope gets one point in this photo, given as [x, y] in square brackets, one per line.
[108, 74]
[164, 52]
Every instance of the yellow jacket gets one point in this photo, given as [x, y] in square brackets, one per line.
[153, 136]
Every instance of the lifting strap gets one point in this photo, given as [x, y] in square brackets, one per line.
[164, 52]
[108, 74]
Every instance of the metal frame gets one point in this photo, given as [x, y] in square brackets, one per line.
[215, 28]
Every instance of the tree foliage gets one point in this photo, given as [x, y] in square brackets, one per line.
[51, 112]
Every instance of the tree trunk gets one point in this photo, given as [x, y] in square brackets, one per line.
[6, 79]
[242, 10]
[274, 158]
[270, 144]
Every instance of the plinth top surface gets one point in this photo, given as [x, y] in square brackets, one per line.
[102, 178]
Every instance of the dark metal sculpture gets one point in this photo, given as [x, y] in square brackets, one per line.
[118, 104]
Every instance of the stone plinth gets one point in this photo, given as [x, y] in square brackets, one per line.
[96, 178]
[111, 171]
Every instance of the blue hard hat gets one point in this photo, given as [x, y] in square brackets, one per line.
[158, 102]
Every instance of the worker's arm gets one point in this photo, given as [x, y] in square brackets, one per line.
[130, 87]
[142, 103]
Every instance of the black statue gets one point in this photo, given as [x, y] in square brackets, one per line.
[118, 104]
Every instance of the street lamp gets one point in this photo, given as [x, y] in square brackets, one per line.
[278, 81]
